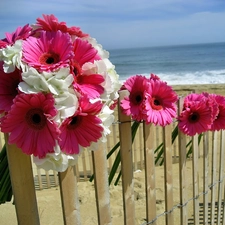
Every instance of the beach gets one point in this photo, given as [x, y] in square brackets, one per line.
[49, 202]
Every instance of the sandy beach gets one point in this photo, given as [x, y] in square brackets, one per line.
[49, 203]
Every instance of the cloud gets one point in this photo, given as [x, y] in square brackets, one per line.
[116, 23]
[200, 27]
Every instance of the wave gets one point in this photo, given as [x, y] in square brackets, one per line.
[198, 77]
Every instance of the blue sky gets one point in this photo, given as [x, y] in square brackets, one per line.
[126, 23]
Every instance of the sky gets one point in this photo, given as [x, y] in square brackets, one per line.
[126, 23]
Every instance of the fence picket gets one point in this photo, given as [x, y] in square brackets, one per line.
[69, 197]
[205, 176]
[22, 181]
[126, 166]
[213, 176]
[168, 171]
[221, 168]
[101, 186]
[182, 169]
[48, 179]
[149, 173]
[195, 181]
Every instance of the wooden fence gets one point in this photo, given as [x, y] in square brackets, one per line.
[195, 196]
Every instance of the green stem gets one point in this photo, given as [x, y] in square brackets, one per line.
[5, 182]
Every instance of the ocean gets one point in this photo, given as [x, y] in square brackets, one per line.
[181, 64]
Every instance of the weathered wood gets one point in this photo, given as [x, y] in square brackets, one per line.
[69, 197]
[84, 164]
[47, 179]
[182, 170]
[195, 175]
[205, 176]
[149, 159]
[101, 186]
[39, 179]
[168, 174]
[221, 171]
[213, 175]
[22, 180]
[126, 166]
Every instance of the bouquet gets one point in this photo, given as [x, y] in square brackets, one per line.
[57, 91]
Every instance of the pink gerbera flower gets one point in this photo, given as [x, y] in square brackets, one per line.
[196, 118]
[219, 120]
[20, 33]
[50, 52]
[51, 23]
[154, 77]
[194, 97]
[82, 128]
[89, 84]
[8, 87]
[30, 124]
[134, 104]
[161, 103]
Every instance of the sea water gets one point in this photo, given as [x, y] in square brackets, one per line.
[181, 64]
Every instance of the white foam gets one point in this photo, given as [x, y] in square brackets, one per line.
[198, 77]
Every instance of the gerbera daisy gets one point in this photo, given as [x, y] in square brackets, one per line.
[8, 87]
[21, 33]
[195, 119]
[51, 23]
[82, 128]
[53, 50]
[212, 103]
[134, 104]
[154, 77]
[30, 124]
[87, 83]
[161, 103]
[194, 97]
[219, 120]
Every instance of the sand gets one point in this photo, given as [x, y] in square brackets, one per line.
[49, 203]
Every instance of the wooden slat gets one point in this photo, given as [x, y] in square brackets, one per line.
[77, 172]
[90, 162]
[205, 176]
[175, 148]
[221, 174]
[126, 165]
[182, 171]
[213, 175]
[69, 197]
[168, 172]
[195, 175]
[101, 186]
[84, 164]
[39, 179]
[150, 188]
[21, 175]
[141, 147]
[48, 179]
[223, 222]
[135, 149]
[109, 146]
